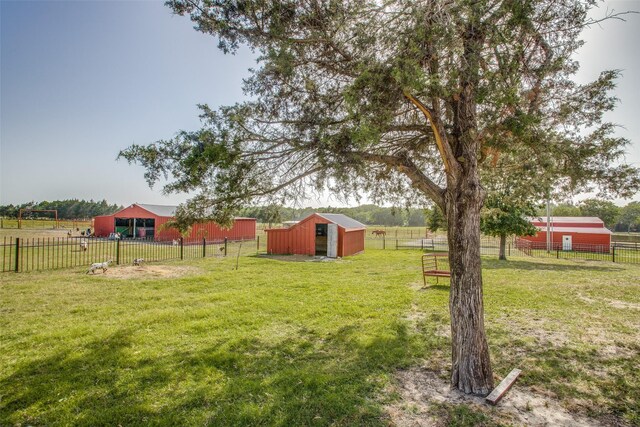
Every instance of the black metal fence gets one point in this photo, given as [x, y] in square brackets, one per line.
[628, 253]
[24, 254]
[33, 254]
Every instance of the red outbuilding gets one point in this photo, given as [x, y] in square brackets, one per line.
[587, 234]
[332, 235]
[142, 220]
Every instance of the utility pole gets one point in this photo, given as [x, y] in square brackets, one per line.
[548, 225]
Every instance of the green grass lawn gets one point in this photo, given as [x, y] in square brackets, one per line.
[301, 343]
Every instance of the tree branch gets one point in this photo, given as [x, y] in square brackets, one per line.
[448, 158]
[404, 165]
[286, 183]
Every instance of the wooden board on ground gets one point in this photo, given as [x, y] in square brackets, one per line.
[504, 386]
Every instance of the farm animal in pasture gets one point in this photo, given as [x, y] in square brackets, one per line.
[379, 233]
[176, 242]
[69, 233]
[84, 245]
[138, 261]
[99, 266]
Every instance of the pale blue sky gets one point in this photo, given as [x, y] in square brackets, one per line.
[81, 80]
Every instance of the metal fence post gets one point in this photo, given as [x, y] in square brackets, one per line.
[614, 253]
[422, 244]
[204, 247]
[17, 253]
[558, 253]
[181, 247]
[225, 246]
[117, 251]
[384, 245]
[509, 249]
[257, 244]
[396, 244]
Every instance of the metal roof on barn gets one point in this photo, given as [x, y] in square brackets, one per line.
[582, 230]
[343, 221]
[159, 210]
[569, 219]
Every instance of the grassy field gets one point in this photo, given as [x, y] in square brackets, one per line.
[279, 342]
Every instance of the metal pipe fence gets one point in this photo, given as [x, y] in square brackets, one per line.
[488, 245]
[45, 223]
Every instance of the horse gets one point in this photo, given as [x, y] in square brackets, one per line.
[379, 233]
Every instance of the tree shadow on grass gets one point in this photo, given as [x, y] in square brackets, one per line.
[490, 264]
[306, 379]
[436, 288]
[71, 386]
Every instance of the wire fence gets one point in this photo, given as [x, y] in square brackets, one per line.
[37, 254]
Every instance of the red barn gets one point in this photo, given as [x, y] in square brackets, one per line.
[333, 235]
[570, 233]
[141, 220]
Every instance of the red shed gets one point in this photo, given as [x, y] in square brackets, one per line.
[142, 220]
[333, 235]
[569, 233]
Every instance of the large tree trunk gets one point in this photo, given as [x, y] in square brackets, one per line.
[463, 198]
[471, 365]
[502, 254]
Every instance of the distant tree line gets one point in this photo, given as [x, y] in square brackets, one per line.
[67, 209]
[616, 218]
[366, 214]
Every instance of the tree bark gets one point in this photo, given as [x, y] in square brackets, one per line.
[464, 196]
[503, 244]
[471, 364]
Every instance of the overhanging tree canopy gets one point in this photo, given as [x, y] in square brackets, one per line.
[401, 100]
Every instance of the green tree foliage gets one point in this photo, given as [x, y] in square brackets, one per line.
[502, 217]
[629, 218]
[436, 220]
[67, 209]
[416, 218]
[406, 101]
[565, 209]
[606, 210]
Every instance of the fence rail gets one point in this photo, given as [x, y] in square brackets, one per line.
[488, 245]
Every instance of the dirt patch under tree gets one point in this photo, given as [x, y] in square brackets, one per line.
[148, 271]
[424, 397]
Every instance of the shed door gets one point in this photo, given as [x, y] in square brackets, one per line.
[332, 241]
[566, 243]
